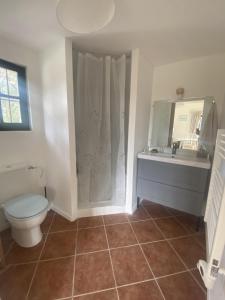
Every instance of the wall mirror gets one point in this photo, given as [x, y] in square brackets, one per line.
[179, 121]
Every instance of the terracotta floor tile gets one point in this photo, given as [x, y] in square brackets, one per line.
[157, 211]
[188, 221]
[14, 282]
[130, 265]
[171, 228]
[61, 224]
[189, 250]
[142, 291]
[201, 239]
[92, 239]
[93, 272]
[120, 235]
[115, 219]
[107, 295]
[7, 239]
[90, 222]
[47, 222]
[19, 254]
[59, 244]
[175, 212]
[2, 257]
[139, 214]
[181, 287]
[146, 202]
[53, 279]
[162, 258]
[199, 278]
[146, 231]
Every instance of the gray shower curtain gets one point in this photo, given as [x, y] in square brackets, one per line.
[100, 137]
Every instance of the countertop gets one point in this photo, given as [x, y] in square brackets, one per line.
[178, 159]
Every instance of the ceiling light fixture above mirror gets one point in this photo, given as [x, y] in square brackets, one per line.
[85, 16]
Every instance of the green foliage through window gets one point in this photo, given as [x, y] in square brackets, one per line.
[13, 97]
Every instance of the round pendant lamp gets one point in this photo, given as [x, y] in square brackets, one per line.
[85, 16]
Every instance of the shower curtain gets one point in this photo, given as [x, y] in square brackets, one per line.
[100, 136]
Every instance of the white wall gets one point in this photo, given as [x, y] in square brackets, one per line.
[59, 127]
[203, 76]
[140, 99]
[22, 146]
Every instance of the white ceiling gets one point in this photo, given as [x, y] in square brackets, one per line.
[166, 30]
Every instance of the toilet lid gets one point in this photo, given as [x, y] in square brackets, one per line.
[26, 206]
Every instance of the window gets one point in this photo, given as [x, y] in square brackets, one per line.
[187, 123]
[14, 112]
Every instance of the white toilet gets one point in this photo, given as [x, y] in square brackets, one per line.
[25, 214]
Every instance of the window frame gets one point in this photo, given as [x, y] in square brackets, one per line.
[23, 99]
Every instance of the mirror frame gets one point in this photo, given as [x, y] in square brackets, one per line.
[173, 101]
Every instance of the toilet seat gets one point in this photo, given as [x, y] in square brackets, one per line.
[26, 206]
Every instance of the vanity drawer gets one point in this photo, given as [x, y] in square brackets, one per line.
[178, 198]
[185, 177]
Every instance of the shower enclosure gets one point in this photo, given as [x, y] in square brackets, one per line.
[102, 87]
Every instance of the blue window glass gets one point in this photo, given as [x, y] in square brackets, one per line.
[14, 110]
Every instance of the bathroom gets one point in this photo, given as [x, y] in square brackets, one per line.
[117, 145]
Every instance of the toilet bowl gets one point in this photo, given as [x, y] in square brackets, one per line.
[25, 215]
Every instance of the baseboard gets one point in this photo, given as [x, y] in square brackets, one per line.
[88, 212]
[97, 211]
[62, 213]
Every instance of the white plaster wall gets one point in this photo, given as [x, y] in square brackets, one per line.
[222, 121]
[22, 146]
[204, 76]
[59, 127]
[140, 103]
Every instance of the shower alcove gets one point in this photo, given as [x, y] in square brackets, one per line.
[97, 109]
[101, 105]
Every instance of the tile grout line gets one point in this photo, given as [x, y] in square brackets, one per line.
[169, 242]
[120, 223]
[133, 283]
[179, 257]
[91, 252]
[74, 262]
[128, 284]
[114, 277]
[182, 225]
[187, 269]
[112, 248]
[92, 293]
[194, 234]
[46, 235]
[9, 249]
[166, 239]
[41, 260]
[147, 263]
[39, 257]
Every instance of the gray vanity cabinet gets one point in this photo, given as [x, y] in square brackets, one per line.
[173, 185]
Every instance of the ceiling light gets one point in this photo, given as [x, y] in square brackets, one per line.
[85, 16]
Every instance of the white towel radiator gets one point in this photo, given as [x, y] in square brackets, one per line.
[215, 216]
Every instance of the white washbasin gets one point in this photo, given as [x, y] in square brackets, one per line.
[179, 159]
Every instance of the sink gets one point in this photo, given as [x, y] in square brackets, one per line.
[162, 154]
[192, 161]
